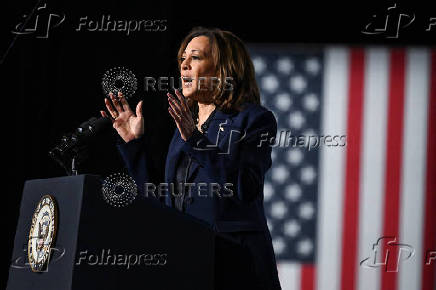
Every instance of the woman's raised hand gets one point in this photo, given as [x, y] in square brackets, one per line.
[181, 114]
[128, 124]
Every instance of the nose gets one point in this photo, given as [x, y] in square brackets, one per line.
[185, 65]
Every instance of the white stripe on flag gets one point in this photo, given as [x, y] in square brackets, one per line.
[414, 162]
[332, 160]
[289, 276]
[373, 161]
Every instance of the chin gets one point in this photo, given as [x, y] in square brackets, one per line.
[188, 93]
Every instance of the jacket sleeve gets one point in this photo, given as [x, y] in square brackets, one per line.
[134, 156]
[245, 161]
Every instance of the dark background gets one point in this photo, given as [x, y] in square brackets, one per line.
[50, 86]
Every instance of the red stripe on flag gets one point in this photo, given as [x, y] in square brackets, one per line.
[394, 156]
[429, 243]
[352, 175]
[308, 272]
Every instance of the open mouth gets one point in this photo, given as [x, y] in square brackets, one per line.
[187, 81]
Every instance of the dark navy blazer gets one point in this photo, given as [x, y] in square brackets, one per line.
[230, 152]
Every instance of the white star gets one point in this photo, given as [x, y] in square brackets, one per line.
[279, 173]
[298, 83]
[308, 174]
[278, 209]
[267, 191]
[310, 102]
[296, 120]
[295, 156]
[292, 228]
[285, 65]
[306, 210]
[259, 64]
[309, 132]
[312, 66]
[269, 83]
[278, 245]
[305, 247]
[283, 101]
[293, 192]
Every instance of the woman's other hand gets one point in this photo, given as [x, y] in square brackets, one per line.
[181, 114]
[129, 125]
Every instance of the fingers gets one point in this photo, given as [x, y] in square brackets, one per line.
[116, 102]
[110, 108]
[176, 118]
[179, 112]
[174, 104]
[182, 100]
[139, 109]
[104, 115]
[123, 101]
[174, 113]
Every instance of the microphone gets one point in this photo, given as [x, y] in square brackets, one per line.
[70, 151]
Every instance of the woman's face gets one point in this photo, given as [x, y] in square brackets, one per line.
[196, 68]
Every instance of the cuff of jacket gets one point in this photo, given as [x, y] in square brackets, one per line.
[132, 146]
[195, 138]
[194, 141]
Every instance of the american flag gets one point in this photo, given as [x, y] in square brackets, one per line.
[335, 212]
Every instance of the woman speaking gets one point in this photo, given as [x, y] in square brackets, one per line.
[217, 142]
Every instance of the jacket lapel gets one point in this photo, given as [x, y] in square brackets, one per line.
[173, 156]
[216, 133]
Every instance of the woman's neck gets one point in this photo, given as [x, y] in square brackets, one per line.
[204, 111]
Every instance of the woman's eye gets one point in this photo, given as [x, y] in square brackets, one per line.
[193, 57]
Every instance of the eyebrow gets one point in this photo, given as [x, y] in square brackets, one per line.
[192, 50]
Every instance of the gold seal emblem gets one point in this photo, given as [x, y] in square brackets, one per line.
[42, 233]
